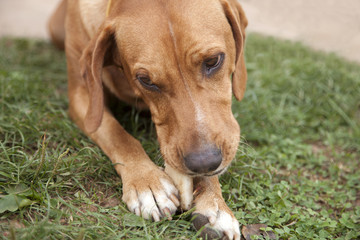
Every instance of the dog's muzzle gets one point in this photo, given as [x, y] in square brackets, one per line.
[204, 160]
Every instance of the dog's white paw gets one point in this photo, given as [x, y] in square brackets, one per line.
[152, 196]
[217, 220]
[217, 225]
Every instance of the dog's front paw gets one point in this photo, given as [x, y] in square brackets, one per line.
[216, 218]
[151, 194]
[220, 225]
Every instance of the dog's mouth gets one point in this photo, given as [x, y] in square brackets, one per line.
[209, 174]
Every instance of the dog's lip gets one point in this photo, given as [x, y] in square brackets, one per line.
[218, 172]
[210, 174]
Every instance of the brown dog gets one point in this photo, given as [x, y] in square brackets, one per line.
[177, 59]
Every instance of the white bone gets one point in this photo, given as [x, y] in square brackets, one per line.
[184, 184]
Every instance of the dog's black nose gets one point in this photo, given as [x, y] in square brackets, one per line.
[203, 160]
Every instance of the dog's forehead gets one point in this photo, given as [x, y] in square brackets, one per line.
[197, 17]
[153, 29]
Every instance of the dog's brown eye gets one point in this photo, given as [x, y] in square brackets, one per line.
[146, 82]
[213, 63]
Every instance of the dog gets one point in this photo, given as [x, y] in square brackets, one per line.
[181, 59]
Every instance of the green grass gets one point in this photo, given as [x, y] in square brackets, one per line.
[297, 169]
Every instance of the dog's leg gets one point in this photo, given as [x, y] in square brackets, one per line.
[212, 212]
[147, 190]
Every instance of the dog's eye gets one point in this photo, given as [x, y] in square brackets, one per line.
[211, 64]
[146, 82]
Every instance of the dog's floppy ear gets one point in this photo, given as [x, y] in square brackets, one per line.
[95, 56]
[238, 22]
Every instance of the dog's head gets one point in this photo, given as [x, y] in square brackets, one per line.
[184, 59]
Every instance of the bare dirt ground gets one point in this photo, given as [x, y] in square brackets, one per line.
[328, 25]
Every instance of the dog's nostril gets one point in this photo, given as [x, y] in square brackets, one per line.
[205, 160]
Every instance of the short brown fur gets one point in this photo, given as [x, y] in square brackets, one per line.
[167, 41]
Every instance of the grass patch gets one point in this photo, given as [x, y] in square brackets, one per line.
[297, 169]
